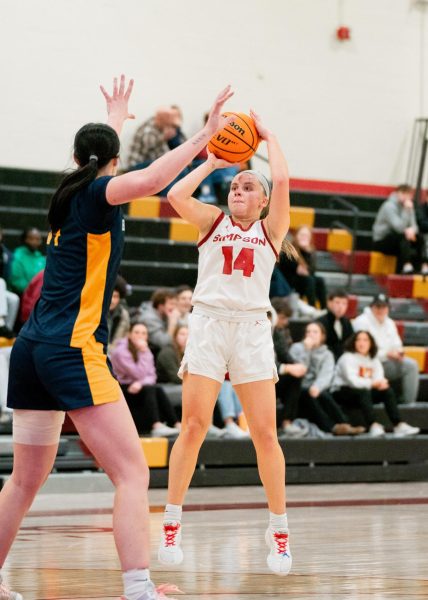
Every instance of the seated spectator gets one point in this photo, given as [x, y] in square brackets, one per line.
[118, 320]
[338, 327]
[315, 402]
[169, 358]
[161, 317]
[422, 220]
[397, 367]
[30, 296]
[151, 141]
[184, 303]
[359, 380]
[300, 273]
[27, 260]
[9, 302]
[134, 367]
[290, 372]
[396, 232]
[230, 410]
[176, 137]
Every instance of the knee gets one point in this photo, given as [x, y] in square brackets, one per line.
[264, 440]
[132, 475]
[194, 429]
[29, 483]
[410, 365]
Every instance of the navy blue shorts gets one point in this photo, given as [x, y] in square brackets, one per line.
[51, 377]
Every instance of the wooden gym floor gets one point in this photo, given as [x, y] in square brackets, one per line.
[362, 541]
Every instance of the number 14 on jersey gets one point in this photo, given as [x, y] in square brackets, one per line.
[243, 262]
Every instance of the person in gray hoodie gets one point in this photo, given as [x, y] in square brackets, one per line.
[316, 403]
[396, 232]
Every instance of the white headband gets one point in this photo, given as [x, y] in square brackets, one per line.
[262, 179]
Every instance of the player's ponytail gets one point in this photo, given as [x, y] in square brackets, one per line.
[95, 145]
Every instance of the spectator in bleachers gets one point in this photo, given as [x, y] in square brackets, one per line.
[151, 141]
[290, 372]
[176, 135]
[30, 296]
[359, 380]
[230, 410]
[9, 302]
[161, 317]
[301, 274]
[338, 327]
[134, 366]
[184, 302]
[118, 320]
[315, 402]
[169, 358]
[396, 232]
[422, 220]
[396, 366]
[27, 260]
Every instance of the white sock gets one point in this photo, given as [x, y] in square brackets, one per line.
[173, 512]
[278, 521]
[135, 582]
[2, 322]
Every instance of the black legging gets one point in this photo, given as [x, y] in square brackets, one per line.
[397, 245]
[323, 410]
[365, 399]
[148, 406]
[312, 287]
[288, 391]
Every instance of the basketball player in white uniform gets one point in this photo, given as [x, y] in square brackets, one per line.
[230, 332]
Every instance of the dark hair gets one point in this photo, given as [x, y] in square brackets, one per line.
[120, 286]
[281, 306]
[405, 188]
[26, 231]
[350, 344]
[339, 293]
[183, 288]
[95, 144]
[131, 347]
[161, 295]
[179, 353]
[320, 326]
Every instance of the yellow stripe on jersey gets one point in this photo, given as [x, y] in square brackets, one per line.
[98, 247]
[104, 387]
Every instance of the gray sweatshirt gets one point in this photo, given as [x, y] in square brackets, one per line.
[320, 364]
[393, 217]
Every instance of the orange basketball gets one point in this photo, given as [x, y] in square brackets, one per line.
[238, 141]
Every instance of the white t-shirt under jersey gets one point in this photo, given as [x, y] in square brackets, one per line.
[235, 268]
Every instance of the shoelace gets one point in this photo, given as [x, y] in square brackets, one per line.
[170, 532]
[281, 541]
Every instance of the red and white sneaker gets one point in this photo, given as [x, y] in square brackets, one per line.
[6, 594]
[170, 552]
[279, 558]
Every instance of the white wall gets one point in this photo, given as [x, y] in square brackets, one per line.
[343, 111]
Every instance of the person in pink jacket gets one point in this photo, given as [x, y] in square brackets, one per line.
[134, 367]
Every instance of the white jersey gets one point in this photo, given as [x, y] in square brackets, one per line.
[235, 268]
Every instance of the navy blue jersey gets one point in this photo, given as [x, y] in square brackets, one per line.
[83, 259]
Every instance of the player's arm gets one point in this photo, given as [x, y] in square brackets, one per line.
[189, 208]
[278, 219]
[149, 181]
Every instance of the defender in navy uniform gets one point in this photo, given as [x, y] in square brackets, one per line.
[59, 362]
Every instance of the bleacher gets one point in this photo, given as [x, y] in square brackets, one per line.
[160, 250]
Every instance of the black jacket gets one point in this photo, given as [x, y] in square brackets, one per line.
[333, 342]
